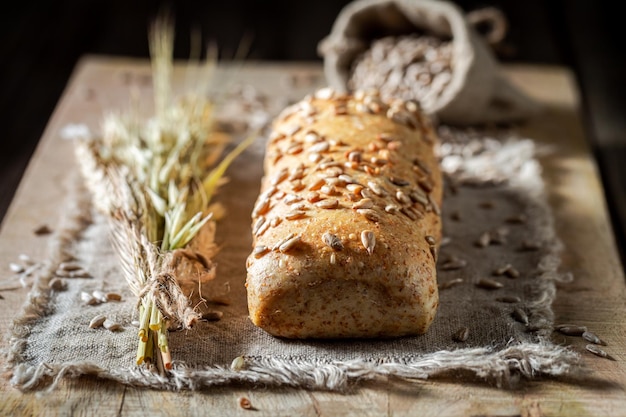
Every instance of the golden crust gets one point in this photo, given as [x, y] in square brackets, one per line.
[347, 222]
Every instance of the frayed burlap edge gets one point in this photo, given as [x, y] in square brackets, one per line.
[499, 366]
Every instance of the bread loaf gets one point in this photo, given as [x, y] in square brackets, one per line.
[347, 224]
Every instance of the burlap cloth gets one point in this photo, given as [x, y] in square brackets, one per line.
[493, 184]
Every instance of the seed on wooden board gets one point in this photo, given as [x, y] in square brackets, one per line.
[57, 284]
[111, 325]
[332, 241]
[461, 335]
[511, 299]
[17, 268]
[449, 284]
[599, 352]
[489, 284]
[97, 321]
[593, 338]
[368, 239]
[571, 329]
[333, 258]
[289, 244]
[520, 315]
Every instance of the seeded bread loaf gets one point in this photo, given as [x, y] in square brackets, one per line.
[347, 224]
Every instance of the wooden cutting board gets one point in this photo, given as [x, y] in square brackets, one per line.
[596, 298]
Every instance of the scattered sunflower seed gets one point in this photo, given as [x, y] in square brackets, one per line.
[57, 284]
[591, 337]
[571, 330]
[516, 219]
[88, 299]
[212, 315]
[69, 266]
[449, 284]
[26, 259]
[113, 296]
[461, 335]
[530, 245]
[511, 299]
[453, 263]
[100, 296]
[489, 284]
[484, 240]
[111, 325]
[598, 352]
[238, 363]
[520, 315]
[42, 230]
[97, 321]
[245, 403]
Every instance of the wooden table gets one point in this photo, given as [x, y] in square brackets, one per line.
[597, 297]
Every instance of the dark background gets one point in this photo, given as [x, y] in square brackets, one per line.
[40, 42]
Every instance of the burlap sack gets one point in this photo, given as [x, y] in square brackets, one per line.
[477, 92]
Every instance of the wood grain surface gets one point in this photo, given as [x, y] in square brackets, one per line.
[596, 298]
